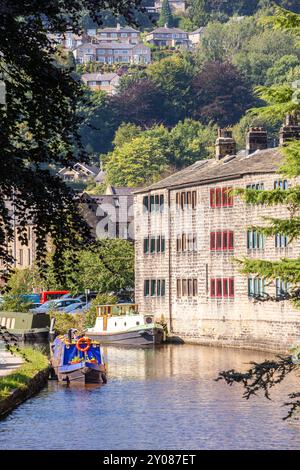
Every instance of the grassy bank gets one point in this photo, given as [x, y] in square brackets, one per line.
[34, 362]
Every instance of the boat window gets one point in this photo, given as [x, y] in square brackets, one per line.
[13, 321]
[3, 321]
[137, 322]
[8, 323]
[125, 324]
[115, 323]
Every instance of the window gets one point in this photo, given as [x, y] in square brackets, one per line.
[195, 287]
[186, 287]
[145, 203]
[256, 287]
[257, 186]
[178, 243]
[29, 256]
[153, 287]
[158, 244]
[282, 288]
[281, 241]
[154, 244]
[161, 202]
[163, 287]
[183, 242]
[255, 240]
[178, 288]
[186, 200]
[163, 244]
[222, 288]
[222, 241]
[154, 203]
[194, 199]
[281, 184]
[186, 242]
[221, 197]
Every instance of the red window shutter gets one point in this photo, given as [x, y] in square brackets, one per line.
[219, 197]
[213, 288]
[225, 240]
[230, 240]
[213, 241]
[219, 287]
[218, 241]
[231, 287]
[225, 288]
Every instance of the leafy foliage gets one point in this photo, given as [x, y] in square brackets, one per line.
[39, 122]
[165, 16]
[262, 377]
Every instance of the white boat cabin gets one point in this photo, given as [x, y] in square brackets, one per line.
[119, 318]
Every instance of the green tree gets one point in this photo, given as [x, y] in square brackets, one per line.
[281, 69]
[191, 141]
[141, 160]
[165, 17]
[173, 76]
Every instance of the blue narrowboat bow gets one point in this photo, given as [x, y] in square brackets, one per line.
[77, 359]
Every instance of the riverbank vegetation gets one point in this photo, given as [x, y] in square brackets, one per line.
[34, 361]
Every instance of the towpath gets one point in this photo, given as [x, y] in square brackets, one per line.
[8, 362]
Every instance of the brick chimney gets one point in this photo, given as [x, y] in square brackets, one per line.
[225, 144]
[256, 139]
[290, 129]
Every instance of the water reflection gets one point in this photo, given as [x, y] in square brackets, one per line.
[162, 398]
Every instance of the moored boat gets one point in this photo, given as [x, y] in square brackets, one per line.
[26, 326]
[77, 359]
[122, 324]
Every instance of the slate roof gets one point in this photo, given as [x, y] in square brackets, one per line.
[99, 76]
[165, 30]
[125, 29]
[212, 170]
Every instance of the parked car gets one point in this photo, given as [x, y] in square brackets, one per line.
[59, 305]
[77, 308]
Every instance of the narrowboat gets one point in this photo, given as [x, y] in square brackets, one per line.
[122, 324]
[77, 359]
[26, 326]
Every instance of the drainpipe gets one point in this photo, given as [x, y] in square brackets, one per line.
[170, 263]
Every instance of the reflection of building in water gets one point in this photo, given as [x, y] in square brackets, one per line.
[167, 361]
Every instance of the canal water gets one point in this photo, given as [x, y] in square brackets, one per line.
[156, 399]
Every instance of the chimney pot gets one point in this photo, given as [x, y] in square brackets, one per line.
[225, 144]
[256, 139]
[290, 129]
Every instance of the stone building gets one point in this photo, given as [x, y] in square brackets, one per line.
[23, 253]
[112, 53]
[189, 227]
[171, 37]
[107, 82]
